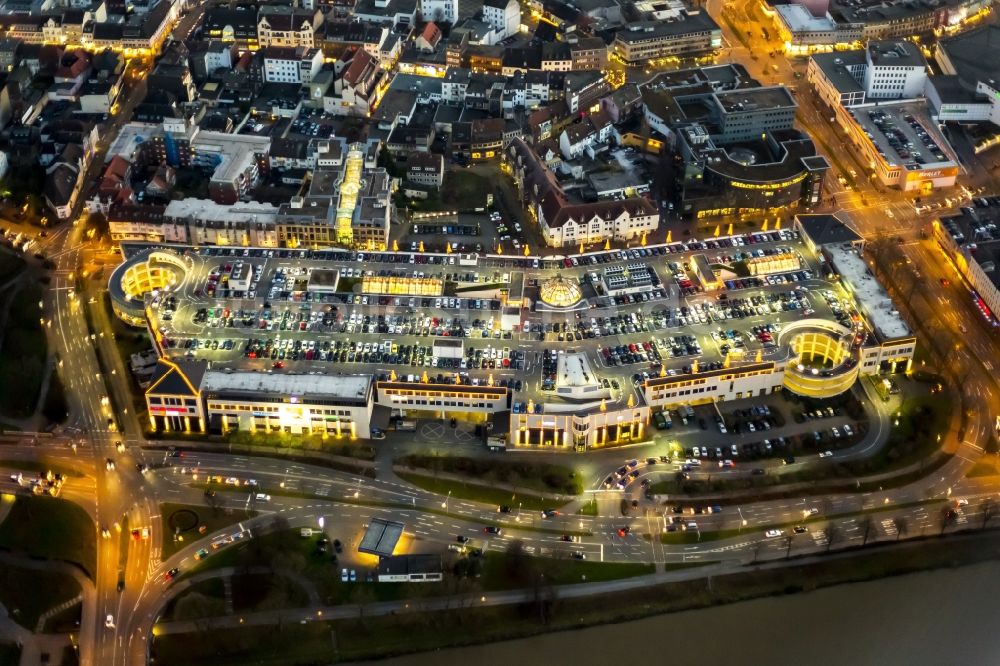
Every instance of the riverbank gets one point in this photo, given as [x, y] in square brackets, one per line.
[556, 609]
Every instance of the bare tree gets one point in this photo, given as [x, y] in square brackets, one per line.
[948, 516]
[867, 525]
[989, 508]
[901, 524]
[832, 533]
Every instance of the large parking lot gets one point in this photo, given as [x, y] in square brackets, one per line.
[266, 317]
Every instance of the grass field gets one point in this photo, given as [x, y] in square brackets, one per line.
[27, 593]
[50, 528]
[478, 493]
[23, 354]
[520, 475]
[497, 571]
[212, 518]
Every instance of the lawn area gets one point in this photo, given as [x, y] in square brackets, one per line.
[10, 265]
[51, 528]
[984, 467]
[284, 549]
[478, 493]
[462, 191]
[258, 592]
[588, 509]
[185, 520]
[27, 593]
[273, 646]
[507, 571]
[306, 442]
[206, 598]
[520, 475]
[22, 355]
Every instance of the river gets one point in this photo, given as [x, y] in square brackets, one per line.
[949, 617]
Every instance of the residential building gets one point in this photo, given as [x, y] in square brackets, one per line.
[287, 26]
[504, 16]
[283, 64]
[643, 41]
[426, 169]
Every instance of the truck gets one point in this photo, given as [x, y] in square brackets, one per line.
[496, 443]
[406, 426]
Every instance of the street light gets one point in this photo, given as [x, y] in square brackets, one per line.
[444, 504]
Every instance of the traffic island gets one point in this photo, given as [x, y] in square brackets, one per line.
[185, 523]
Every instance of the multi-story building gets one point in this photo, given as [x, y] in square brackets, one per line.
[236, 25]
[426, 169]
[642, 41]
[284, 64]
[188, 397]
[971, 240]
[286, 26]
[439, 11]
[504, 16]
[968, 88]
[563, 222]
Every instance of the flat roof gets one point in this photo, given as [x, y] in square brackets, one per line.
[868, 294]
[895, 53]
[800, 19]
[206, 209]
[885, 120]
[974, 55]
[574, 370]
[755, 99]
[835, 67]
[297, 387]
[381, 537]
[823, 229]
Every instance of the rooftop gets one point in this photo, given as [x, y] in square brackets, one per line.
[835, 66]
[895, 54]
[298, 388]
[975, 55]
[869, 295]
[206, 209]
[825, 229]
[895, 129]
[756, 99]
[381, 537]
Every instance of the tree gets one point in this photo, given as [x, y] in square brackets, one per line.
[989, 509]
[901, 524]
[832, 533]
[948, 516]
[867, 525]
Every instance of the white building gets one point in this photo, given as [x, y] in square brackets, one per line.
[895, 70]
[504, 16]
[439, 11]
[283, 64]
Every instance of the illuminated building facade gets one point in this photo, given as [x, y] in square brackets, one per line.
[187, 397]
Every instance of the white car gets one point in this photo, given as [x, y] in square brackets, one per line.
[770, 534]
[826, 454]
[109, 621]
